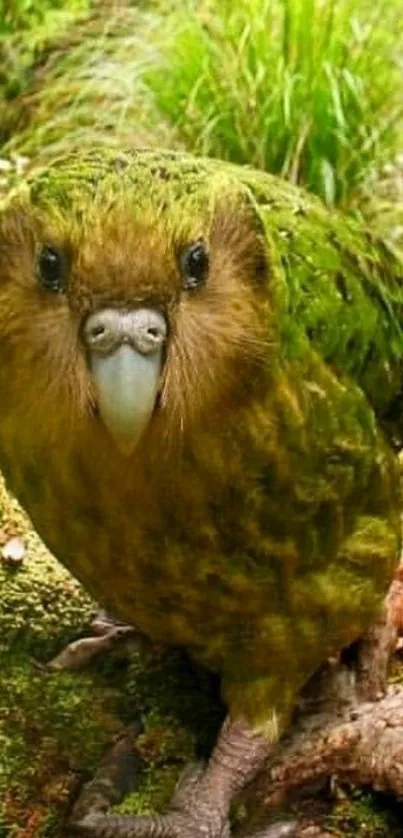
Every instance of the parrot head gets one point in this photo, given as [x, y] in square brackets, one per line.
[134, 296]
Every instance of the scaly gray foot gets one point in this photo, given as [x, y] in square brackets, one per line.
[199, 808]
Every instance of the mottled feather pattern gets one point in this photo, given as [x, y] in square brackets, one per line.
[260, 513]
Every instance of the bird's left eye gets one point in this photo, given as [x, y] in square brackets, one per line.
[194, 263]
[52, 268]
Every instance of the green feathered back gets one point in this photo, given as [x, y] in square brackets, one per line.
[344, 288]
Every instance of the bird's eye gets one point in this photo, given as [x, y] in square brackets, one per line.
[194, 265]
[52, 268]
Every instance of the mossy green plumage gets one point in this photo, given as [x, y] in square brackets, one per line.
[257, 523]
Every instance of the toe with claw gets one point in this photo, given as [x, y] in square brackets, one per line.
[201, 805]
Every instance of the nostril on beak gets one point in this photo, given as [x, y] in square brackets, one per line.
[149, 336]
[154, 335]
[97, 331]
[144, 329]
[102, 330]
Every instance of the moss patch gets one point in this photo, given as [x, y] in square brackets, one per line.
[362, 814]
[53, 729]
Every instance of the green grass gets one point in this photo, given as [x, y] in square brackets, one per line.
[309, 89]
[89, 87]
[28, 14]
[27, 28]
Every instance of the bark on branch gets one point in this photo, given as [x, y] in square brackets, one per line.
[338, 732]
[363, 745]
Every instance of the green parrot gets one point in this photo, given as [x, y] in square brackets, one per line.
[201, 403]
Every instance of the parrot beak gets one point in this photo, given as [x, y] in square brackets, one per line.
[127, 384]
[126, 356]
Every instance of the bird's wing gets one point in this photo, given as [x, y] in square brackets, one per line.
[343, 288]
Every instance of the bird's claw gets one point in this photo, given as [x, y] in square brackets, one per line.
[282, 829]
[172, 825]
[188, 816]
[178, 824]
[107, 634]
[195, 811]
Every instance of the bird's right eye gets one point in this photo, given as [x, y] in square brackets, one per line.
[52, 269]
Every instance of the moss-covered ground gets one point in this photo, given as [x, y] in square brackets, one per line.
[53, 727]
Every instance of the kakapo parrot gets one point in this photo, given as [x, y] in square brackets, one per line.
[201, 400]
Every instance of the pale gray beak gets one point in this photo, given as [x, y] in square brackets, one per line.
[126, 353]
